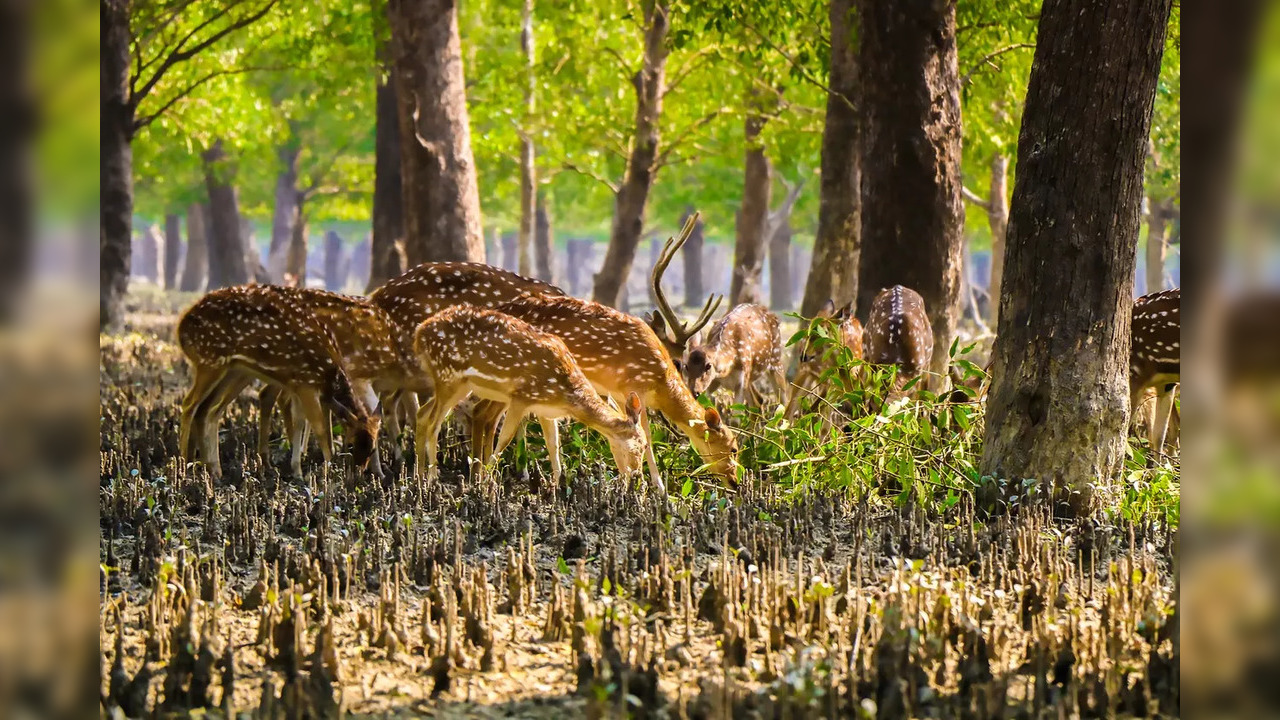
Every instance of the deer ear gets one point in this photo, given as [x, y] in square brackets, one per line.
[713, 419]
[846, 311]
[634, 408]
[828, 309]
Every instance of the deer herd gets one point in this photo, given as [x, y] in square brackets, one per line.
[506, 347]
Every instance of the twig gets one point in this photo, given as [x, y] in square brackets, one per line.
[986, 59]
[804, 72]
[974, 198]
[588, 173]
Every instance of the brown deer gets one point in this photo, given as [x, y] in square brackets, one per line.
[469, 350]
[743, 348]
[814, 360]
[426, 289]
[1154, 356]
[898, 332]
[236, 334]
[620, 355]
[674, 334]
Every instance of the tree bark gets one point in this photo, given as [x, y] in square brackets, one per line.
[833, 274]
[998, 219]
[285, 214]
[150, 245]
[226, 247]
[747, 283]
[295, 267]
[781, 295]
[1058, 405]
[510, 260]
[387, 247]
[196, 265]
[632, 198]
[172, 249]
[543, 243]
[117, 164]
[911, 193]
[528, 172]
[19, 110]
[359, 265]
[1157, 243]
[441, 200]
[335, 262]
[692, 250]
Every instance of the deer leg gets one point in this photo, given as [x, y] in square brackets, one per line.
[655, 476]
[205, 382]
[216, 404]
[779, 382]
[484, 425]
[551, 434]
[513, 422]
[267, 398]
[299, 434]
[429, 419]
[798, 389]
[1160, 423]
[317, 417]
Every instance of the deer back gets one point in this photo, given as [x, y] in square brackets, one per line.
[1156, 331]
[749, 333]
[898, 332]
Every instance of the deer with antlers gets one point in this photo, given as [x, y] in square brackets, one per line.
[674, 334]
[898, 332]
[469, 350]
[1155, 357]
[620, 356]
[816, 360]
[235, 335]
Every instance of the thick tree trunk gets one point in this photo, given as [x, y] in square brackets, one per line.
[1157, 243]
[692, 250]
[528, 172]
[335, 262]
[753, 220]
[781, 295]
[633, 196]
[196, 265]
[998, 219]
[543, 242]
[117, 164]
[833, 274]
[226, 247]
[1058, 405]
[19, 109]
[387, 248]
[172, 249]
[359, 265]
[295, 266]
[911, 211]
[285, 214]
[441, 200]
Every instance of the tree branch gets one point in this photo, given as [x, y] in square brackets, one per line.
[179, 55]
[804, 72]
[571, 167]
[986, 59]
[974, 198]
[146, 120]
[622, 62]
[688, 67]
[684, 135]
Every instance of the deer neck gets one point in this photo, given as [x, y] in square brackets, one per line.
[677, 403]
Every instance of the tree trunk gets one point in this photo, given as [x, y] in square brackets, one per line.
[117, 165]
[1058, 404]
[359, 265]
[286, 210]
[633, 196]
[692, 250]
[1157, 237]
[543, 243]
[998, 219]
[172, 249]
[833, 274]
[781, 296]
[528, 173]
[196, 265]
[150, 245]
[911, 211]
[509, 252]
[441, 200]
[572, 264]
[753, 219]
[386, 258]
[19, 109]
[295, 267]
[335, 264]
[226, 247]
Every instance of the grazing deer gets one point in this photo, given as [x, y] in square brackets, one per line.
[1154, 356]
[426, 289]
[469, 350]
[898, 332]
[620, 356]
[744, 347]
[674, 334]
[814, 361]
[236, 334]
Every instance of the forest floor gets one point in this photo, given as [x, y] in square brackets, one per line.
[504, 597]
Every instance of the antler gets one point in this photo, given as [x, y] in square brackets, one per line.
[680, 332]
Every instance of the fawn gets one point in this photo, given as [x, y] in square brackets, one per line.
[620, 355]
[233, 335]
[744, 347]
[1155, 356]
[470, 350]
[898, 332]
[815, 360]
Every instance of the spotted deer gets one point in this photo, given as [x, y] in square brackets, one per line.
[674, 334]
[743, 348]
[469, 350]
[815, 360]
[234, 335]
[426, 289]
[898, 332]
[620, 355]
[1154, 356]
